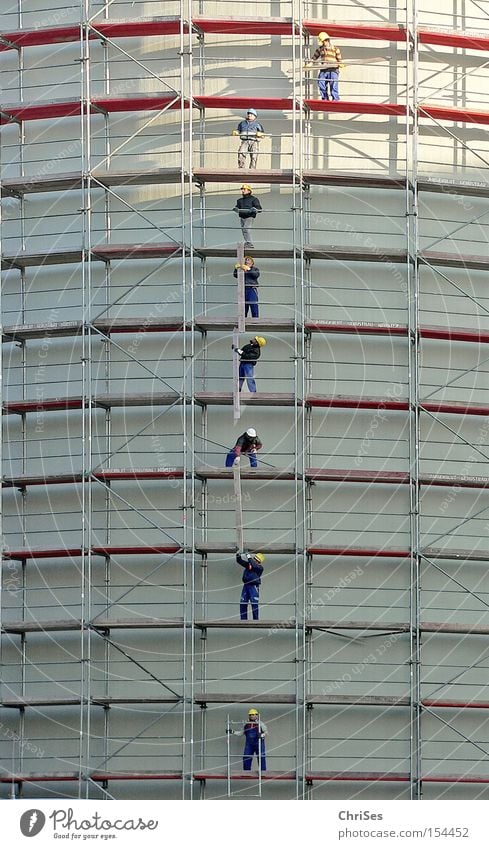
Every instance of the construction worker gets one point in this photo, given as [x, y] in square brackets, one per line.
[329, 56]
[252, 572]
[254, 730]
[251, 273]
[250, 132]
[247, 443]
[248, 355]
[247, 207]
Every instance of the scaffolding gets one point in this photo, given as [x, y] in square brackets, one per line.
[117, 619]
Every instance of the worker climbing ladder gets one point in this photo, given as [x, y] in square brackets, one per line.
[230, 732]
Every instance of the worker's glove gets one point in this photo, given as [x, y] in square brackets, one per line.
[244, 554]
[238, 265]
[235, 133]
[235, 209]
[236, 461]
[252, 451]
[229, 730]
[262, 736]
[239, 351]
[341, 65]
[259, 135]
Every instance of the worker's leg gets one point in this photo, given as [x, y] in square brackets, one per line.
[262, 756]
[251, 301]
[242, 154]
[333, 84]
[230, 458]
[322, 85]
[246, 370]
[253, 460]
[253, 594]
[249, 751]
[242, 375]
[246, 224]
[253, 148]
[243, 602]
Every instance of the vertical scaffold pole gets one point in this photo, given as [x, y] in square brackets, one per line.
[413, 328]
[238, 507]
[240, 328]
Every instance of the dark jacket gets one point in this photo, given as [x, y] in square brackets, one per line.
[252, 570]
[251, 276]
[251, 352]
[248, 129]
[245, 443]
[247, 206]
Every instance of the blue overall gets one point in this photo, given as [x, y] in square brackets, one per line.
[231, 457]
[251, 301]
[253, 746]
[328, 84]
[246, 372]
[249, 594]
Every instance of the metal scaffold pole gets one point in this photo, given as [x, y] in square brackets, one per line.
[414, 365]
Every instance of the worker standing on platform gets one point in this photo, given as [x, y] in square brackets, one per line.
[329, 56]
[247, 207]
[250, 132]
[254, 730]
[251, 273]
[252, 572]
[247, 443]
[248, 355]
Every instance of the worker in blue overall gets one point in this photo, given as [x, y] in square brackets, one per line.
[251, 275]
[252, 572]
[254, 731]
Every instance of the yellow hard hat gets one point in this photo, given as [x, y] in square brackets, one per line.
[252, 712]
[261, 341]
[259, 557]
[247, 187]
[323, 36]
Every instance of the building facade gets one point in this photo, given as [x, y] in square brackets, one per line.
[123, 657]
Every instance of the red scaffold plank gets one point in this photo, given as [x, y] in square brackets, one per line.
[454, 334]
[41, 553]
[359, 551]
[110, 29]
[138, 474]
[454, 703]
[458, 407]
[261, 103]
[457, 779]
[45, 404]
[136, 776]
[357, 476]
[70, 108]
[463, 115]
[45, 35]
[246, 26]
[356, 776]
[346, 402]
[37, 777]
[149, 251]
[269, 775]
[112, 550]
[374, 32]
[476, 41]
[363, 328]
[355, 107]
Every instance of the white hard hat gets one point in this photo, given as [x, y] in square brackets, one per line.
[251, 431]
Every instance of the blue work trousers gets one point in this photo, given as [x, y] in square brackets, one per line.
[246, 373]
[250, 749]
[231, 456]
[328, 84]
[251, 301]
[249, 594]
